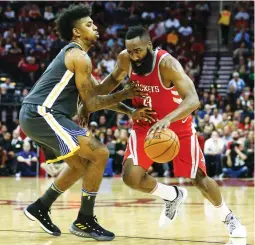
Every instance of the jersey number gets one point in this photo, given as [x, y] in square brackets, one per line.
[147, 102]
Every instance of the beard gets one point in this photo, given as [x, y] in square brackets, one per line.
[143, 66]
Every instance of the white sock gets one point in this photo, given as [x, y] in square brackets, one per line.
[223, 210]
[164, 191]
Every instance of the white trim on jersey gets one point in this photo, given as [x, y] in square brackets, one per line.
[132, 144]
[194, 152]
[197, 158]
[58, 88]
[57, 128]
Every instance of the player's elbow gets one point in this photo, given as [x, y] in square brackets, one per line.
[195, 102]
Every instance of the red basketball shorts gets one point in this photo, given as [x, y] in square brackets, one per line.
[186, 163]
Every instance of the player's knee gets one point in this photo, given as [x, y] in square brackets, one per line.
[77, 164]
[200, 181]
[131, 179]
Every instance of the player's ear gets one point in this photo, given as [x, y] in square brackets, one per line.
[76, 32]
[150, 46]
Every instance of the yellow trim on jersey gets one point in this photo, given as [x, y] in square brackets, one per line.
[58, 88]
[70, 154]
[57, 128]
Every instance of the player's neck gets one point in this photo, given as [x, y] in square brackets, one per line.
[82, 45]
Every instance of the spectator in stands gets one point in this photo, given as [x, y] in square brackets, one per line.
[241, 51]
[109, 135]
[237, 84]
[212, 150]
[34, 12]
[172, 38]
[102, 137]
[102, 125]
[48, 13]
[216, 118]
[15, 49]
[10, 33]
[3, 154]
[120, 148]
[208, 126]
[226, 135]
[234, 138]
[157, 29]
[242, 36]
[235, 164]
[23, 95]
[9, 14]
[11, 163]
[16, 141]
[149, 16]
[242, 14]
[185, 30]
[110, 7]
[224, 21]
[172, 23]
[8, 84]
[224, 122]
[27, 161]
[93, 128]
[197, 45]
[249, 149]
[108, 62]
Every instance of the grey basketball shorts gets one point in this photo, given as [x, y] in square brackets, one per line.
[53, 131]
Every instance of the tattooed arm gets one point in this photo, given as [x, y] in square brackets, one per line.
[119, 107]
[87, 90]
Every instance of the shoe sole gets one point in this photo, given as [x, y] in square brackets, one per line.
[83, 234]
[185, 194]
[31, 217]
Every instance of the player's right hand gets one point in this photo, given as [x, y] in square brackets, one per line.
[132, 90]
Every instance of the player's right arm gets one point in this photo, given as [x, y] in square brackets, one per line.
[81, 65]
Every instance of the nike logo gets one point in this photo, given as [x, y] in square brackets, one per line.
[202, 159]
[183, 121]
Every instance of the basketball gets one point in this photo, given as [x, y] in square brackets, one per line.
[162, 147]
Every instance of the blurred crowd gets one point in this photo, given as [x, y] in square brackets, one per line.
[28, 43]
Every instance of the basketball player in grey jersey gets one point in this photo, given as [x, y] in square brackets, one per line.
[46, 115]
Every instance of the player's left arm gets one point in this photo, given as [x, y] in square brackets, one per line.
[118, 74]
[172, 71]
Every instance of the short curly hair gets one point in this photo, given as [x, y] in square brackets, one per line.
[68, 18]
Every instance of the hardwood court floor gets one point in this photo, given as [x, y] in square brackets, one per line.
[133, 216]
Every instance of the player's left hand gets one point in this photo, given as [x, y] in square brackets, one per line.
[145, 113]
[158, 126]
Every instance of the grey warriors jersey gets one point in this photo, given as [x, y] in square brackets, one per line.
[56, 88]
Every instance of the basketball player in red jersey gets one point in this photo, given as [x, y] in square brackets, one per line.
[173, 97]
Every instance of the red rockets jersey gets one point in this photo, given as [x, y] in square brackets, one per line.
[161, 99]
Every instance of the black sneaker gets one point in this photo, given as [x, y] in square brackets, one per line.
[39, 212]
[88, 227]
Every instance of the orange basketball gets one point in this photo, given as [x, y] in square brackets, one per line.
[162, 147]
